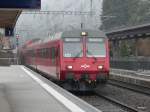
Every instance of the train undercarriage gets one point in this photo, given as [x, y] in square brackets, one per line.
[84, 83]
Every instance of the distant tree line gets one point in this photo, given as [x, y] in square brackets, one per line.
[125, 13]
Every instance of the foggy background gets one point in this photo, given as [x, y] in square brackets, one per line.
[41, 25]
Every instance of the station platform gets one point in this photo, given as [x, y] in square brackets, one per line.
[140, 78]
[22, 90]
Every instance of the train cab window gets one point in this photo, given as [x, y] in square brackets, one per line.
[73, 47]
[75, 39]
[95, 47]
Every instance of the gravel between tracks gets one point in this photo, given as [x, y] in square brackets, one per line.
[101, 103]
[134, 99]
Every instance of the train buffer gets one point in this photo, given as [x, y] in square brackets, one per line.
[22, 90]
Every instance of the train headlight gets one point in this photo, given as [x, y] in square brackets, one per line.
[69, 67]
[100, 67]
[84, 34]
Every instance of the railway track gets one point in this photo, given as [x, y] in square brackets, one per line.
[123, 106]
[98, 100]
[135, 88]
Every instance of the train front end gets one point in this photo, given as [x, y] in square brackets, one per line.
[85, 60]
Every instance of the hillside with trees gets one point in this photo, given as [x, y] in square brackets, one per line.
[125, 13]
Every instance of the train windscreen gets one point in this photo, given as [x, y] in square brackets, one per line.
[95, 47]
[73, 47]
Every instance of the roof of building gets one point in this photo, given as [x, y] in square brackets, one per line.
[8, 18]
[138, 31]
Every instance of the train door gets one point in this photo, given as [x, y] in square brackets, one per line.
[53, 62]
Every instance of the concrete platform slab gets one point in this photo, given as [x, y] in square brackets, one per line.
[131, 77]
[21, 93]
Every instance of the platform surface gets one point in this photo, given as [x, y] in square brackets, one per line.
[140, 78]
[20, 92]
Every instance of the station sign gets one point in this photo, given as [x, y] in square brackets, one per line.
[20, 4]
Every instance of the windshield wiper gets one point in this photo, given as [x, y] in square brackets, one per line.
[78, 55]
[91, 55]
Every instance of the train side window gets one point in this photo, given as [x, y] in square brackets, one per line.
[31, 53]
[39, 54]
[44, 53]
[47, 53]
[57, 53]
[53, 52]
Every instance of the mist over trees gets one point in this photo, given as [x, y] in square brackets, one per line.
[125, 13]
[41, 25]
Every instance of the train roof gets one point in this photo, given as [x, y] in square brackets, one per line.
[77, 33]
[70, 34]
[74, 33]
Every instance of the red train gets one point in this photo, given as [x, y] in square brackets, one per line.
[79, 60]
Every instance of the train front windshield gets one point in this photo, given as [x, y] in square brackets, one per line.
[95, 47]
[73, 47]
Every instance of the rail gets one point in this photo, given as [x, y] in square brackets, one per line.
[118, 103]
[132, 87]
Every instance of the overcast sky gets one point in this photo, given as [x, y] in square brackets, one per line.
[36, 26]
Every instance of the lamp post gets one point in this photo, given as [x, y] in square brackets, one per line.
[17, 45]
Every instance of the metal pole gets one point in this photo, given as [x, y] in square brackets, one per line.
[91, 7]
[82, 24]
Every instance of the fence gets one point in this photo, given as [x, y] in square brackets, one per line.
[8, 61]
[131, 63]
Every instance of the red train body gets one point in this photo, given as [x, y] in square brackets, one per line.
[78, 59]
